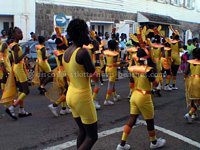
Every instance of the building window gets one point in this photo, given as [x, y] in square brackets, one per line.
[99, 29]
[160, 1]
[102, 30]
[93, 27]
[175, 2]
[6, 26]
[189, 4]
[198, 5]
[12, 24]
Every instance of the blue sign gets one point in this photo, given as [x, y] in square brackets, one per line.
[61, 20]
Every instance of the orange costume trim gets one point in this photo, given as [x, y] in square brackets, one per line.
[194, 61]
[133, 49]
[110, 53]
[139, 69]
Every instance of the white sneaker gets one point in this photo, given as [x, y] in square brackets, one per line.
[160, 143]
[65, 111]
[167, 88]
[96, 103]
[194, 116]
[188, 118]
[125, 147]
[53, 110]
[102, 84]
[158, 87]
[116, 98]
[137, 123]
[108, 102]
[174, 88]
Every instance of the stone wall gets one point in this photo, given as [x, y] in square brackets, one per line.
[46, 12]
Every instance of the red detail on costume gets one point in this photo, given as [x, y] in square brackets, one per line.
[96, 89]
[55, 52]
[127, 129]
[109, 92]
[131, 85]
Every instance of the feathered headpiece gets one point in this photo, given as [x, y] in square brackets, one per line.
[59, 35]
[174, 31]
[140, 38]
[155, 30]
[92, 34]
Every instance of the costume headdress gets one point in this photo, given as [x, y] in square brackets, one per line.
[59, 35]
[140, 38]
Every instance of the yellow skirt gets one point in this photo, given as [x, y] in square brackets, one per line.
[44, 66]
[112, 73]
[20, 73]
[194, 88]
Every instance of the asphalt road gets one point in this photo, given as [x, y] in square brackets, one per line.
[43, 130]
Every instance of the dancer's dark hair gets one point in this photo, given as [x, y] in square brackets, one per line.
[78, 32]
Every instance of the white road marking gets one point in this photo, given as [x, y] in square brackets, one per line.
[120, 129]
[73, 142]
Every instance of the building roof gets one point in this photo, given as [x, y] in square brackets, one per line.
[194, 27]
[155, 18]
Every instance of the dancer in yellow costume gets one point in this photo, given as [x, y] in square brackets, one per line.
[43, 65]
[112, 57]
[20, 75]
[57, 93]
[79, 69]
[166, 65]
[132, 53]
[5, 66]
[141, 101]
[192, 80]
[176, 58]
[98, 60]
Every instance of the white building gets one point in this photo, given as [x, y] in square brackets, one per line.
[19, 13]
[101, 15]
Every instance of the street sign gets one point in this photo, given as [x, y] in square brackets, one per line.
[61, 20]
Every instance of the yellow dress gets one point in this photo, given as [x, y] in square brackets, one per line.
[43, 64]
[111, 66]
[141, 99]
[194, 80]
[79, 94]
[156, 54]
[19, 68]
[176, 58]
[4, 58]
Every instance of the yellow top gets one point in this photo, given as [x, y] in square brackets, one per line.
[195, 69]
[19, 52]
[39, 52]
[156, 52]
[175, 49]
[110, 57]
[142, 82]
[4, 58]
[77, 77]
